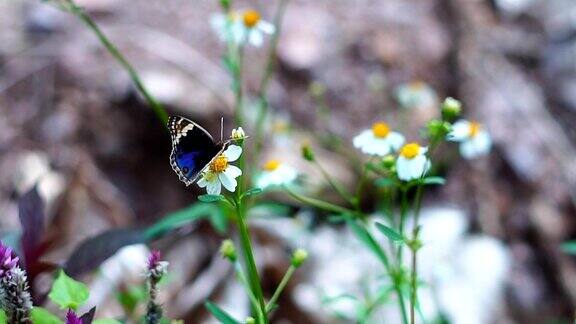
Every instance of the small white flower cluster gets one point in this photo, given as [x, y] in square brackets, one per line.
[242, 27]
[412, 162]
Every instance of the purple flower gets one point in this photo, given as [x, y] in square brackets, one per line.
[72, 318]
[7, 261]
[154, 259]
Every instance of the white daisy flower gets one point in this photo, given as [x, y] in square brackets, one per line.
[416, 94]
[474, 139]
[245, 26]
[412, 162]
[276, 173]
[220, 173]
[379, 140]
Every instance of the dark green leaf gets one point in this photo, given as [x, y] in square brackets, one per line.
[211, 198]
[389, 232]
[93, 251]
[67, 292]
[367, 239]
[180, 218]
[130, 297]
[220, 314]
[40, 315]
[384, 182]
[569, 247]
[252, 192]
[219, 221]
[433, 181]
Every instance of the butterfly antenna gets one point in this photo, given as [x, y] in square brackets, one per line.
[221, 128]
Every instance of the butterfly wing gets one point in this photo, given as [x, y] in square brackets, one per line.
[193, 148]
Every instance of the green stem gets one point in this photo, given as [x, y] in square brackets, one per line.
[244, 282]
[403, 215]
[363, 176]
[253, 278]
[335, 185]
[280, 288]
[113, 50]
[320, 204]
[414, 247]
[264, 83]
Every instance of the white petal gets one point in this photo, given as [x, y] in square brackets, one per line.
[419, 165]
[467, 150]
[396, 140]
[483, 142]
[233, 171]
[214, 187]
[232, 153]
[202, 182]
[402, 169]
[360, 139]
[255, 37]
[460, 131]
[376, 146]
[266, 27]
[228, 182]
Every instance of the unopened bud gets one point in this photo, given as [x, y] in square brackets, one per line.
[299, 257]
[228, 250]
[307, 152]
[451, 109]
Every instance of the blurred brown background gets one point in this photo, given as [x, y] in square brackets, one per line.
[71, 119]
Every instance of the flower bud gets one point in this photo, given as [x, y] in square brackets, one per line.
[307, 152]
[250, 320]
[299, 257]
[451, 109]
[228, 250]
[238, 134]
[437, 129]
[389, 161]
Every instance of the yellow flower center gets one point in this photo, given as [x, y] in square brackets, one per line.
[410, 150]
[473, 129]
[380, 129]
[219, 164]
[251, 18]
[271, 165]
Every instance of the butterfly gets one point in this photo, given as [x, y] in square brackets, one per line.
[193, 148]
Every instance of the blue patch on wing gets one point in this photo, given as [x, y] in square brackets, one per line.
[187, 163]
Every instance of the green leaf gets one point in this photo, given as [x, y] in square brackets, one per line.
[180, 218]
[252, 192]
[384, 182]
[389, 232]
[569, 247]
[3, 317]
[106, 321]
[67, 292]
[130, 297]
[367, 239]
[433, 181]
[40, 315]
[219, 221]
[220, 314]
[211, 198]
